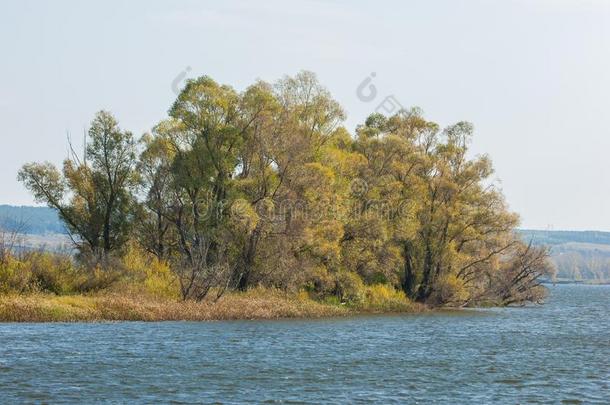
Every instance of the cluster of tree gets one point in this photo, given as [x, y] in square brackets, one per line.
[582, 262]
[265, 187]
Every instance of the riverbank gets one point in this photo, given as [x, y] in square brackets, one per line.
[256, 304]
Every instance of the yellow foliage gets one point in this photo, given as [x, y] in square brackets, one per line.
[13, 277]
[148, 273]
[160, 281]
[324, 240]
[50, 272]
[451, 290]
[384, 297]
[303, 295]
[244, 216]
[321, 282]
[349, 287]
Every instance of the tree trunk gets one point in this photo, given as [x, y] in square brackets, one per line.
[408, 282]
[245, 272]
[425, 288]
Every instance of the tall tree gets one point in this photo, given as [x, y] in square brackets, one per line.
[93, 196]
[154, 231]
[207, 130]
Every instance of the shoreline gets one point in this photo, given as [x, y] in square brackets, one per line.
[576, 282]
[256, 304]
[42, 308]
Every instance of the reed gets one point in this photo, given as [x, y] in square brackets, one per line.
[258, 303]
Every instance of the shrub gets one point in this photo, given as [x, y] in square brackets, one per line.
[450, 290]
[13, 277]
[320, 282]
[55, 273]
[384, 297]
[52, 273]
[96, 279]
[349, 287]
[145, 274]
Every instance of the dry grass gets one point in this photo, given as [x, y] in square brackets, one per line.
[256, 304]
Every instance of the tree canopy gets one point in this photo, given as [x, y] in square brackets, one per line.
[266, 187]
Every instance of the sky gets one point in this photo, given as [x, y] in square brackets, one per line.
[532, 76]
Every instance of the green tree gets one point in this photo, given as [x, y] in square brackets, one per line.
[154, 230]
[208, 128]
[290, 124]
[94, 196]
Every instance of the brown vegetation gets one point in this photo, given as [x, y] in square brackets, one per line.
[115, 307]
[254, 304]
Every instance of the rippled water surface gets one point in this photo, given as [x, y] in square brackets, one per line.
[559, 352]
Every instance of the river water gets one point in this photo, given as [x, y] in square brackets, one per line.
[555, 353]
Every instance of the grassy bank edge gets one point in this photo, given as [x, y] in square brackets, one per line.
[235, 306]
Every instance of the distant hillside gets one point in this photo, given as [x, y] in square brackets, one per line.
[31, 220]
[578, 256]
[552, 238]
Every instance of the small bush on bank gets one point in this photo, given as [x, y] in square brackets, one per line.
[450, 291]
[136, 272]
[13, 276]
[145, 274]
[40, 271]
[384, 297]
[349, 287]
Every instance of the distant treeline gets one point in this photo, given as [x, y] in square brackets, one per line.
[551, 238]
[577, 255]
[582, 262]
[30, 220]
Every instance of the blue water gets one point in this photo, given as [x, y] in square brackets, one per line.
[559, 352]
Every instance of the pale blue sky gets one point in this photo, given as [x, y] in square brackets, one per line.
[533, 76]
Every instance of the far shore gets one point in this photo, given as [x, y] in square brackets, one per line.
[579, 282]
